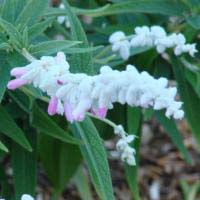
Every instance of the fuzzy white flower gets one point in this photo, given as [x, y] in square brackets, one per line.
[154, 36]
[43, 74]
[76, 94]
[121, 44]
[27, 197]
[142, 37]
[127, 152]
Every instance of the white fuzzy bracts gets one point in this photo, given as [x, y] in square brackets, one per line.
[76, 94]
[154, 36]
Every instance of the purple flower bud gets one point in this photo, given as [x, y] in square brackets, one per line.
[16, 83]
[53, 104]
[68, 112]
[18, 71]
[102, 112]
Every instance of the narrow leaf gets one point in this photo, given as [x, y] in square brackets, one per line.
[12, 130]
[51, 47]
[8, 10]
[80, 62]
[194, 21]
[39, 28]
[95, 156]
[4, 77]
[134, 121]
[3, 147]
[31, 12]
[82, 185]
[75, 50]
[62, 167]
[163, 7]
[24, 168]
[45, 124]
[10, 29]
[191, 101]
[171, 129]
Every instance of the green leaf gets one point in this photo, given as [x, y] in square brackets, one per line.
[134, 122]
[194, 21]
[172, 131]
[185, 188]
[51, 47]
[190, 192]
[94, 154]
[78, 11]
[82, 185]
[163, 7]
[80, 62]
[4, 75]
[3, 147]
[11, 9]
[12, 130]
[45, 124]
[81, 50]
[194, 80]
[21, 99]
[62, 167]
[4, 46]
[25, 39]
[31, 12]
[191, 101]
[24, 168]
[8, 10]
[14, 34]
[39, 28]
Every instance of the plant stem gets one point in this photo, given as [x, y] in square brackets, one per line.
[27, 55]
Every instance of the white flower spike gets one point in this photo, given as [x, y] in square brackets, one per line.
[154, 36]
[75, 95]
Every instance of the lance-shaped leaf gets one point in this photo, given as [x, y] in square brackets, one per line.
[134, 122]
[51, 47]
[171, 129]
[94, 154]
[80, 62]
[39, 28]
[12, 130]
[191, 100]
[163, 7]
[82, 184]
[45, 124]
[66, 159]
[3, 147]
[32, 10]
[4, 75]
[24, 167]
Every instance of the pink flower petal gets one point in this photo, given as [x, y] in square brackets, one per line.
[60, 57]
[102, 112]
[53, 104]
[79, 117]
[18, 71]
[16, 83]
[68, 112]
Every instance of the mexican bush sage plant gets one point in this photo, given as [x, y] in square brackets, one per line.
[58, 96]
